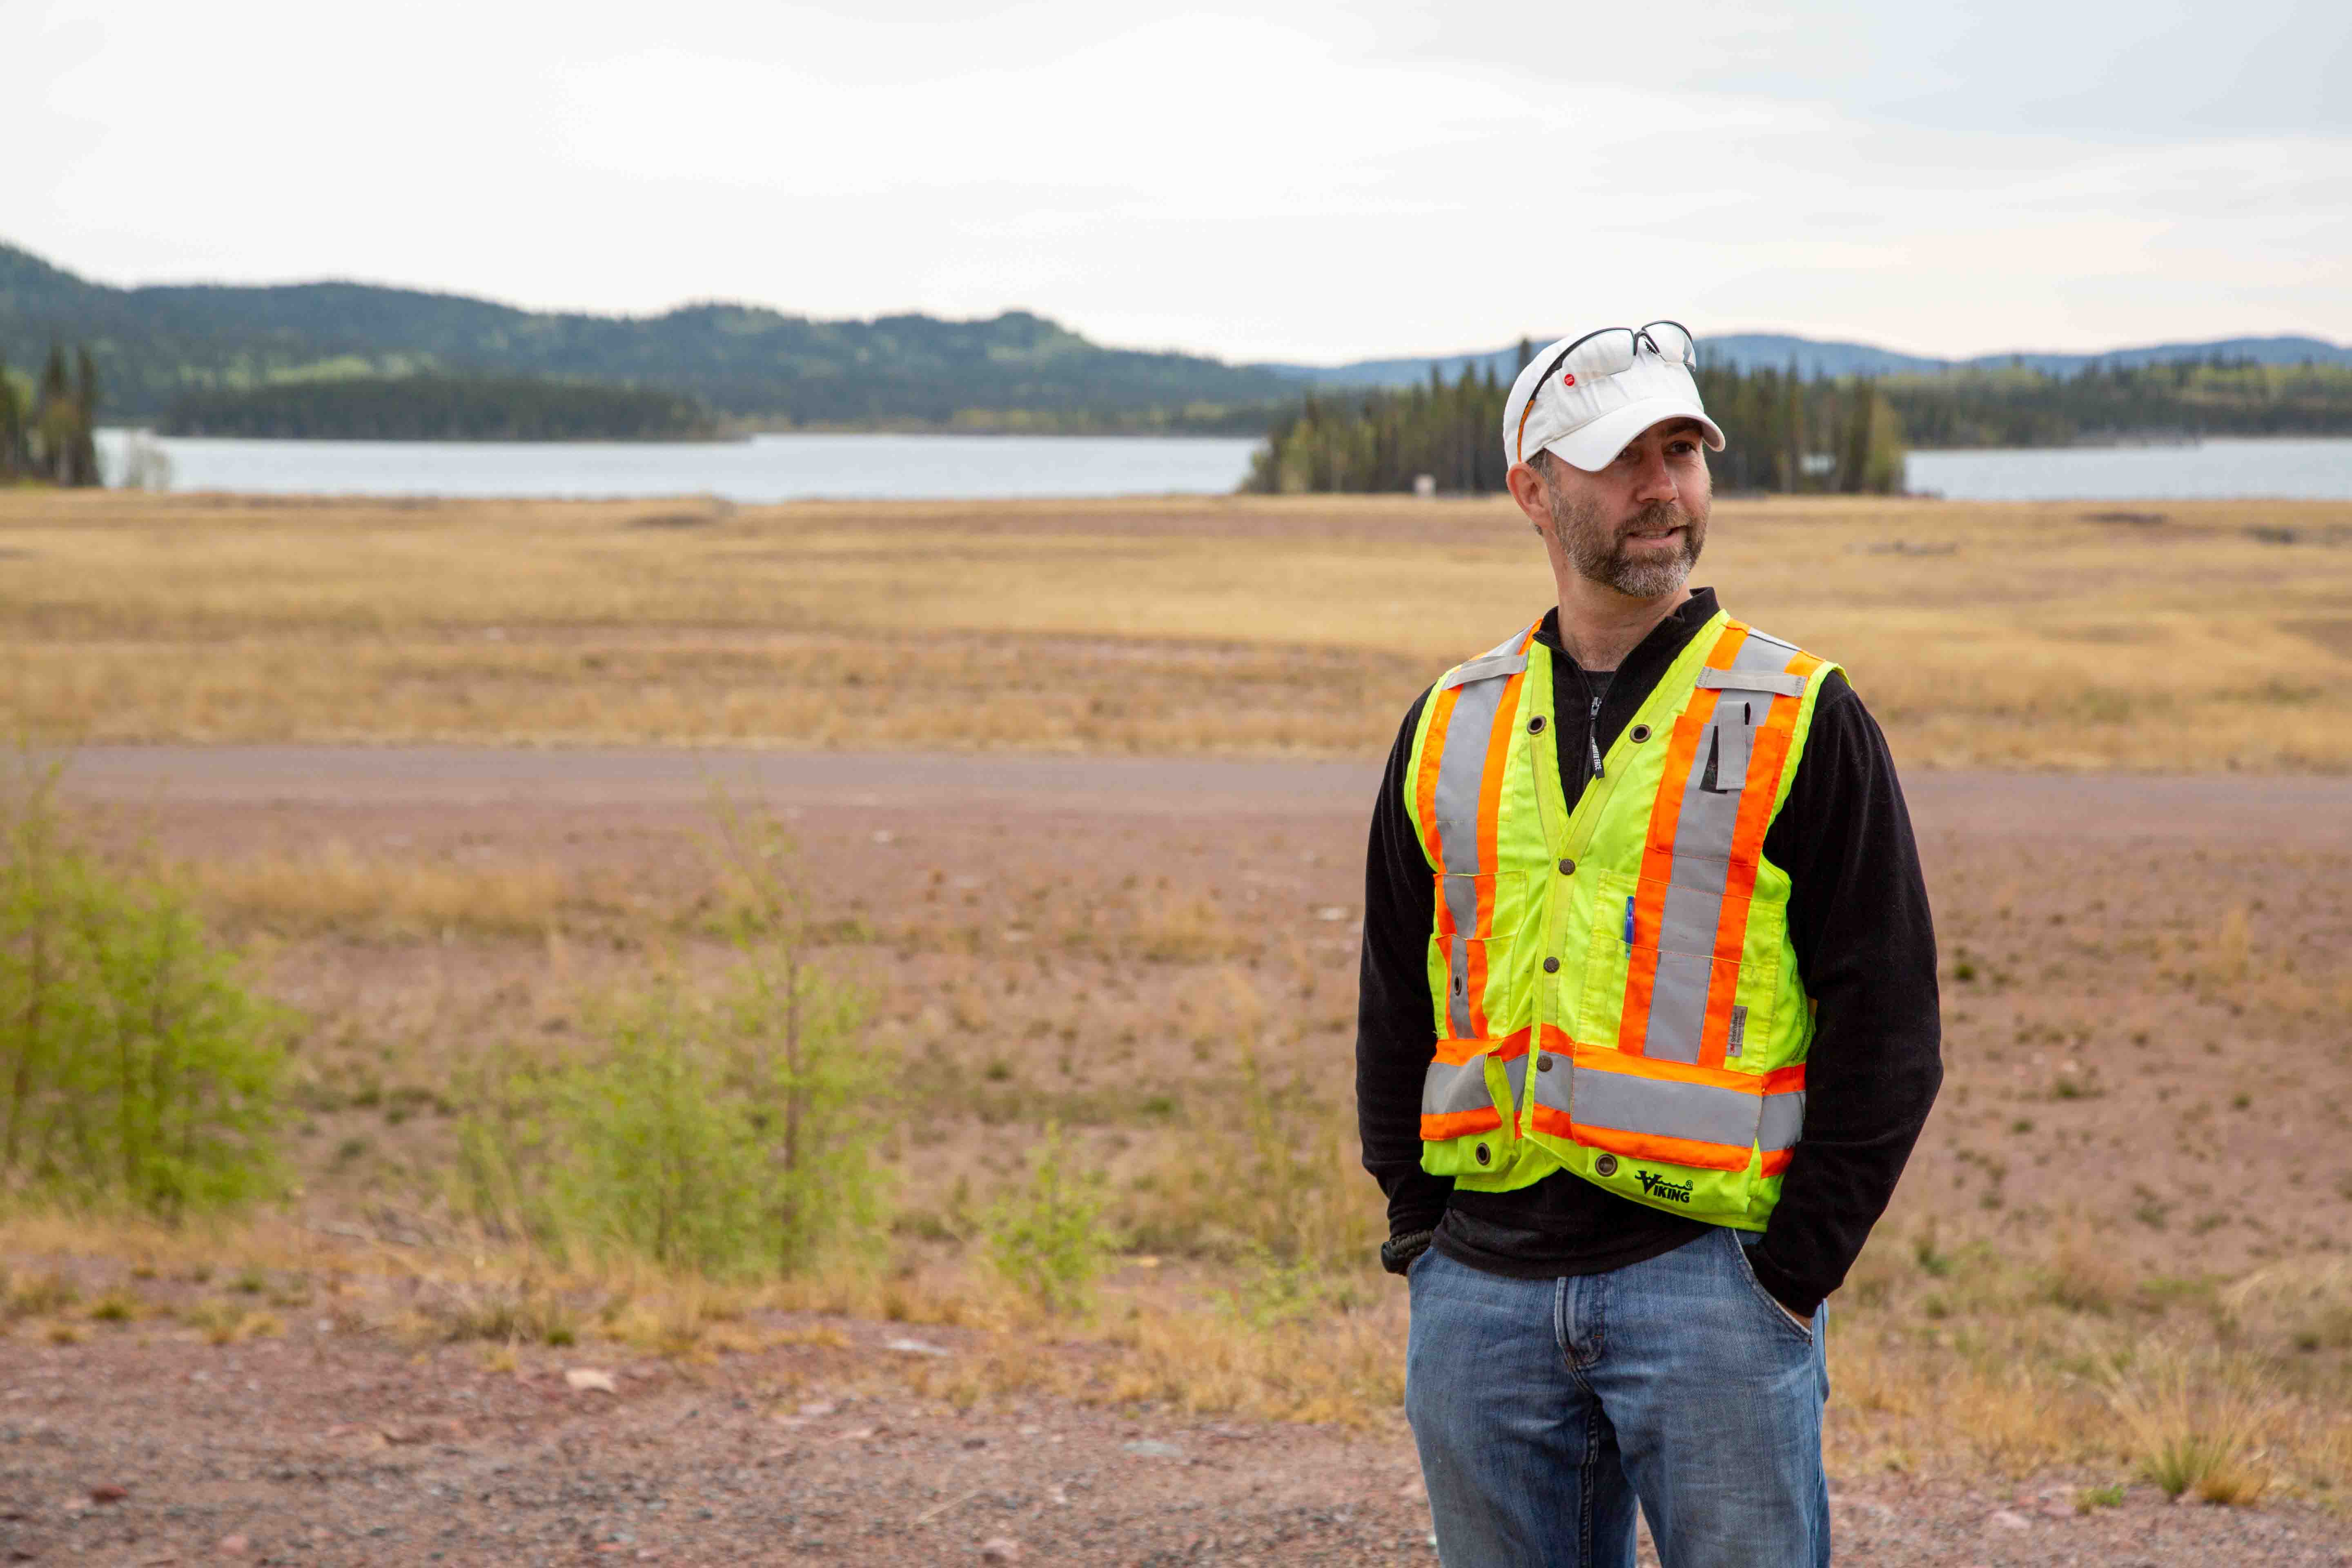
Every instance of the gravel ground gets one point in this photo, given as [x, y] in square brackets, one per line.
[145, 1445]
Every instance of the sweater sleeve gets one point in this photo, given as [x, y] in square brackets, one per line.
[1396, 1038]
[1866, 945]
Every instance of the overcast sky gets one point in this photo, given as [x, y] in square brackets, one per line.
[1318, 182]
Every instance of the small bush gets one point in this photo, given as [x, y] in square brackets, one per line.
[2091, 1498]
[134, 1065]
[1045, 1237]
[725, 1135]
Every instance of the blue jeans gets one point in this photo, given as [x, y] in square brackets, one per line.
[1544, 1408]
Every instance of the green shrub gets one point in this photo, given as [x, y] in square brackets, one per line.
[135, 1068]
[1045, 1237]
[726, 1135]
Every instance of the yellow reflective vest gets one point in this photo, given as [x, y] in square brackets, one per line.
[1615, 989]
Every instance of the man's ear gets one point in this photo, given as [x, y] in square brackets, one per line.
[1529, 487]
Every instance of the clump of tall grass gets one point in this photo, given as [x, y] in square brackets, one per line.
[136, 1068]
[730, 1134]
[2195, 1425]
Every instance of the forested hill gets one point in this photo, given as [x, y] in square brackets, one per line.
[153, 344]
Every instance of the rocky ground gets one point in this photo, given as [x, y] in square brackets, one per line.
[146, 1445]
[2127, 955]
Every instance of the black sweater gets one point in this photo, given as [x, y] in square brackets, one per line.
[1866, 945]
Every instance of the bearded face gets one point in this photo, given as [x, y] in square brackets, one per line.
[1643, 556]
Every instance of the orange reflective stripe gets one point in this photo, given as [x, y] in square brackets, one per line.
[1775, 1161]
[1457, 1123]
[1454, 1053]
[1662, 1151]
[1771, 751]
[1658, 851]
[1600, 1059]
[1781, 1080]
[1425, 788]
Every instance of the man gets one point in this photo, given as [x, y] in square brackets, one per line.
[1648, 1024]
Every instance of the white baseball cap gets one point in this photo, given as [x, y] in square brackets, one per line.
[1587, 418]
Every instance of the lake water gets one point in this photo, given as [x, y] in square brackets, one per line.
[763, 469]
[2222, 469]
[876, 466]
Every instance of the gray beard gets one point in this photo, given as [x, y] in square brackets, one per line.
[1597, 551]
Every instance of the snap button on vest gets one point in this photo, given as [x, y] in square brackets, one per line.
[1551, 966]
[1535, 725]
[1606, 1165]
[1484, 1157]
[1641, 732]
[1568, 868]
[1543, 1064]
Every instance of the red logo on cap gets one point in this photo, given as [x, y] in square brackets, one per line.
[1567, 378]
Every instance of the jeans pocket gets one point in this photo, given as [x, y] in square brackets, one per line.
[1771, 1303]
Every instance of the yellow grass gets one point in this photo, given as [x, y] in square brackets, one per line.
[2040, 635]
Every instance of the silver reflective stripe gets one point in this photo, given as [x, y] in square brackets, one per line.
[1486, 669]
[1737, 680]
[1699, 1113]
[1515, 1070]
[1462, 770]
[1552, 1089]
[1451, 1087]
[1783, 1122]
[1677, 1005]
[1458, 996]
[1462, 903]
[1735, 723]
[1701, 868]
[1461, 780]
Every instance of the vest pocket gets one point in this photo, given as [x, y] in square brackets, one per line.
[1461, 1126]
[1657, 987]
[1478, 919]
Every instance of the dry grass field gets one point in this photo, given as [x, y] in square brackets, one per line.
[2191, 636]
[2122, 1257]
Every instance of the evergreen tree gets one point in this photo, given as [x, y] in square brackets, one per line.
[1853, 464]
[81, 453]
[13, 457]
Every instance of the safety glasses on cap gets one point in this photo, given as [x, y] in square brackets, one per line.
[1610, 352]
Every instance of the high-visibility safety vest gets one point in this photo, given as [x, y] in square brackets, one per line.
[1615, 988]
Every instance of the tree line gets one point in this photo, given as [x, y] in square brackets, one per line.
[1785, 433]
[443, 408]
[51, 435]
[2022, 408]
